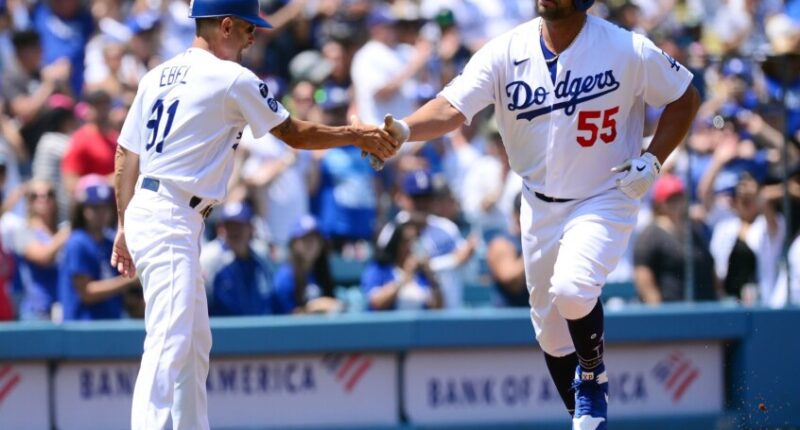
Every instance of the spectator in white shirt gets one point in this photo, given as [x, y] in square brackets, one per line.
[383, 70]
[489, 189]
[747, 248]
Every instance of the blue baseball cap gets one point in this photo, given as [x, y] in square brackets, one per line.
[237, 212]
[306, 224]
[418, 183]
[96, 194]
[248, 10]
[94, 189]
[739, 68]
[380, 15]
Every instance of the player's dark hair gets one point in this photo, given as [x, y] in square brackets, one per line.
[25, 39]
[204, 24]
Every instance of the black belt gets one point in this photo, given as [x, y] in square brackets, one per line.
[549, 199]
[152, 184]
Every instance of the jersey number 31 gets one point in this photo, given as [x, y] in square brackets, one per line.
[154, 124]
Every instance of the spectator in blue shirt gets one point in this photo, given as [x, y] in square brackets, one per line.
[347, 197]
[65, 27]
[239, 280]
[440, 238]
[36, 245]
[89, 288]
[400, 277]
[304, 283]
[506, 264]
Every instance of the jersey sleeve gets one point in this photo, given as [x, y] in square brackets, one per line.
[664, 79]
[255, 105]
[473, 89]
[130, 137]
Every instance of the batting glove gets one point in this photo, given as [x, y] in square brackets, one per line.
[642, 172]
[397, 128]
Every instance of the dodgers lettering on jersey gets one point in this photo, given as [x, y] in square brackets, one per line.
[564, 137]
[187, 118]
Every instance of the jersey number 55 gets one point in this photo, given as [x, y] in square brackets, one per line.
[595, 123]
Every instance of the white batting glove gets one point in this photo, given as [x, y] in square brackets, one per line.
[397, 128]
[642, 172]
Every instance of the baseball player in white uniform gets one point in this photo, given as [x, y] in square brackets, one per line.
[173, 162]
[569, 91]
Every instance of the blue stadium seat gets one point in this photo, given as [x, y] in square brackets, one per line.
[478, 295]
[346, 271]
[622, 290]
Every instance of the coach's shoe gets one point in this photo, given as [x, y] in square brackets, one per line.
[591, 399]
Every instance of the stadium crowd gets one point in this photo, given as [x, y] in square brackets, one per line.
[322, 232]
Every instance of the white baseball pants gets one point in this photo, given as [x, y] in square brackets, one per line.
[163, 236]
[569, 248]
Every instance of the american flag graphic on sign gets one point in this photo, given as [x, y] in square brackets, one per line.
[348, 369]
[8, 380]
[676, 373]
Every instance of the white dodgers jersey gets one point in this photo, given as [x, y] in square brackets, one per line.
[188, 116]
[563, 137]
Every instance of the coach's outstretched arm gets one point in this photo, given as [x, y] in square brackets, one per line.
[671, 130]
[126, 172]
[308, 135]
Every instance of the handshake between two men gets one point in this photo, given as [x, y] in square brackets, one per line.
[396, 128]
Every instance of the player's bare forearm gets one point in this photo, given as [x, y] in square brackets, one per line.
[308, 135]
[126, 172]
[434, 119]
[674, 124]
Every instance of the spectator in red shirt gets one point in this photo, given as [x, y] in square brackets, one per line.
[91, 149]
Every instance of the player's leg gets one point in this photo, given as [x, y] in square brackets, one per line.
[562, 371]
[595, 236]
[541, 223]
[161, 242]
[140, 239]
[190, 409]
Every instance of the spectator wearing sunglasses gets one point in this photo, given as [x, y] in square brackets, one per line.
[36, 246]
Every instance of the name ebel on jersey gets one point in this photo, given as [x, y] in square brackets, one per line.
[569, 93]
